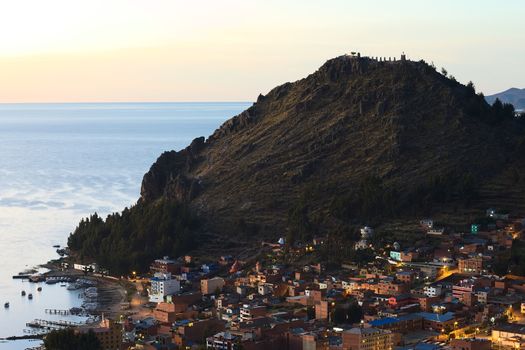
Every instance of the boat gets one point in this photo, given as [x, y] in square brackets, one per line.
[30, 296]
[56, 246]
[6, 305]
[73, 286]
[39, 289]
[63, 285]
[23, 293]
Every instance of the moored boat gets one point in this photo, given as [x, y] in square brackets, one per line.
[23, 293]
[39, 289]
[30, 296]
[6, 305]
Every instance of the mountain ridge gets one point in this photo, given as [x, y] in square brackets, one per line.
[338, 82]
[358, 141]
[514, 96]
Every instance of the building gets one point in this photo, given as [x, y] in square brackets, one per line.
[470, 344]
[162, 284]
[405, 276]
[249, 312]
[165, 312]
[432, 291]
[86, 268]
[165, 265]
[492, 213]
[472, 265]
[462, 288]
[190, 332]
[397, 301]
[392, 288]
[509, 336]
[402, 324]
[223, 341]
[395, 255]
[212, 285]
[436, 231]
[366, 234]
[108, 333]
[264, 289]
[437, 322]
[322, 310]
[407, 255]
[367, 339]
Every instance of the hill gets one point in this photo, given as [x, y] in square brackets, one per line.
[514, 96]
[358, 141]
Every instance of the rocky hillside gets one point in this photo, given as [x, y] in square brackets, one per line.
[356, 140]
[514, 96]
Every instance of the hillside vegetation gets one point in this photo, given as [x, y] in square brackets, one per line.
[358, 141]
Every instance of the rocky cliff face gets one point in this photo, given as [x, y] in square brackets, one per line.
[318, 138]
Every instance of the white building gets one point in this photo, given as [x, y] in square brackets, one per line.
[264, 289]
[86, 268]
[162, 284]
[366, 234]
[432, 291]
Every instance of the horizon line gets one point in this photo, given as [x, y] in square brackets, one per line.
[115, 102]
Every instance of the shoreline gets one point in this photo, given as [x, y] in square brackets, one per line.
[112, 291]
[113, 294]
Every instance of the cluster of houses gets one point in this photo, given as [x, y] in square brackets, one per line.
[439, 293]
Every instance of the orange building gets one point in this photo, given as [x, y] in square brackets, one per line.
[470, 344]
[322, 310]
[108, 333]
[392, 288]
[473, 265]
[367, 339]
[188, 332]
[210, 286]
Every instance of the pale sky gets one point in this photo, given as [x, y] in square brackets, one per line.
[232, 50]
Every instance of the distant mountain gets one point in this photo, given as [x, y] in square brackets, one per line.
[514, 96]
[358, 141]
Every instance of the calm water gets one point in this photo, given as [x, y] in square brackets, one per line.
[61, 162]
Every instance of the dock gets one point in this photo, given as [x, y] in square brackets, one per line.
[21, 277]
[51, 325]
[57, 312]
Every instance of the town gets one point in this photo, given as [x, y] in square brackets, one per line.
[447, 291]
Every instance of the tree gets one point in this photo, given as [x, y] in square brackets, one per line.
[67, 339]
[310, 312]
[130, 240]
[471, 87]
[338, 315]
[444, 71]
[354, 313]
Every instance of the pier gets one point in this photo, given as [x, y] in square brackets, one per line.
[51, 325]
[58, 312]
[21, 277]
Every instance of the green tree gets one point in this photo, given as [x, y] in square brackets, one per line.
[338, 315]
[354, 313]
[130, 240]
[67, 339]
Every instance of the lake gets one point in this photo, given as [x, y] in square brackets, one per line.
[61, 162]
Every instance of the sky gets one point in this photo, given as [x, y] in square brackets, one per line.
[233, 50]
